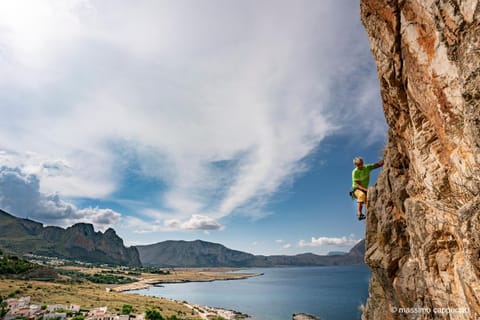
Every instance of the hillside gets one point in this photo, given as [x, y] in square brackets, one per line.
[78, 242]
[192, 254]
[206, 254]
[423, 226]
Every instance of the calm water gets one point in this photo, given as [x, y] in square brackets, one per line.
[328, 292]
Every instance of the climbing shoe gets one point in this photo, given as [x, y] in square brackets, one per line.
[361, 217]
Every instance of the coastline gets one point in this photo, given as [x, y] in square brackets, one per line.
[91, 295]
[204, 275]
[206, 312]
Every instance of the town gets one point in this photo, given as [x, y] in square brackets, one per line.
[21, 308]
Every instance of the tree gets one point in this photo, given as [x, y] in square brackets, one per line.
[3, 307]
[127, 309]
[151, 314]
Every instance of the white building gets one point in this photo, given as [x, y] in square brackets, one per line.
[74, 308]
[15, 304]
[55, 315]
[55, 307]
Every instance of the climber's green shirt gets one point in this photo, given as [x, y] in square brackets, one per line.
[362, 175]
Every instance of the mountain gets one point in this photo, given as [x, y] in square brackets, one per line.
[192, 254]
[78, 242]
[353, 257]
[206, 254]
[81, 242]
[337, 253]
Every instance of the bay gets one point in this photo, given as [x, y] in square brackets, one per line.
[327, 292]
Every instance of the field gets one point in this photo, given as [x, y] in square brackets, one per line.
[90, 295]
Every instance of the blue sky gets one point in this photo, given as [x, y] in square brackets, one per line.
[228, 121]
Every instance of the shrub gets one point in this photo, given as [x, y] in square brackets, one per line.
[151, 314]
[127, 309]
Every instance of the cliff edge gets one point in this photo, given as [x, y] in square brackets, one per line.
[78, 242]
[423, 225]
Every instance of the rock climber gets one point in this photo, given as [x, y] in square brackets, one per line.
[360, 181]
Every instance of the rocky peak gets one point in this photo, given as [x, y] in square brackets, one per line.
[112, 236]
[110, 233]
[79, 241]
[423, 225]
[84, 228]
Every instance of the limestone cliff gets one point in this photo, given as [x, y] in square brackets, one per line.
[78, 242]
[423, 225]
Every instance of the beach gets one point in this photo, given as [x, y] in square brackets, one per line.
[184, 275]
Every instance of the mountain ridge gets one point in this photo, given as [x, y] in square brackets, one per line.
[78, 242]
[81, 242]
[199, 253]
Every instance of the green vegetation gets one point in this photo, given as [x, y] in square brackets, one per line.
[15, 265]
[109, 279]
[14, 293]
[127, 309]
[101, 278]
[136, 271]
[3, 307]
[152, 314]
[133, 271]
[128, 273]
[154, 270]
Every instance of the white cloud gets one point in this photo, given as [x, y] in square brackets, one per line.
[287, 246]
[20, 195]
[195, 222]
[329, 241]
[84, 175]
[163, 222]
[279, 241]
[221, 100]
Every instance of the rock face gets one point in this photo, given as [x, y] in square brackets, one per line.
[423, 227]
[79, 241]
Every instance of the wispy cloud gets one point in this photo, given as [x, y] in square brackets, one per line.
[196, 222]
[329, 241]
[221, 100]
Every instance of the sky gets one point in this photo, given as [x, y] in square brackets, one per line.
[229, 121]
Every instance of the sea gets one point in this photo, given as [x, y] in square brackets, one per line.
[330, 293]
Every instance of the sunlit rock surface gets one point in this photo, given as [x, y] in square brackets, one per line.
[423, 221]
